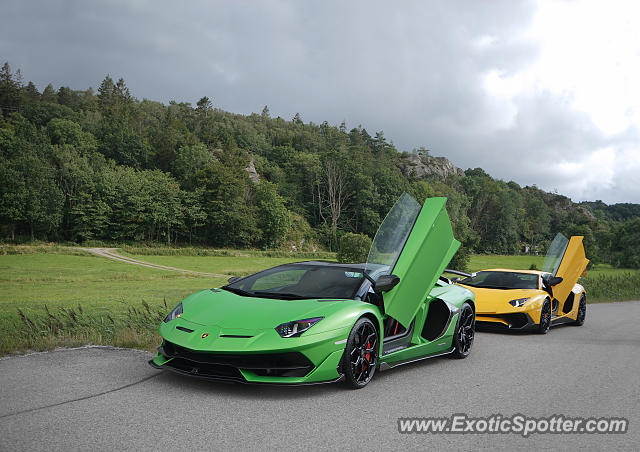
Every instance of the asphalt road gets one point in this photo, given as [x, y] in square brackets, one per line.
[103, 398]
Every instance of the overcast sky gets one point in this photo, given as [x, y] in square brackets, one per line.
[544, 93]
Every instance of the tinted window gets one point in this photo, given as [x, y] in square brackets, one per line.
[299, 281]
[392, 235]
[502, 280]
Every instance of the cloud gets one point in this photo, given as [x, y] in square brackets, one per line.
[539, 93]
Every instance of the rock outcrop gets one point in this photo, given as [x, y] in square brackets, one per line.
[251, 169]
[421, 165]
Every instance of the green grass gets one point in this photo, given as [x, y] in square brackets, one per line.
[43, 287]
[92, 299]
[233, 266]
[482, 261]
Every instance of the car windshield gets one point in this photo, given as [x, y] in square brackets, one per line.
[391, 236]
[502, 280]
[300, 281]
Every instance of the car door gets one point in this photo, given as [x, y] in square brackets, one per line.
[414, 243]
[566, 259]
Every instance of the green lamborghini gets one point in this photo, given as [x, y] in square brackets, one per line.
[318, 322]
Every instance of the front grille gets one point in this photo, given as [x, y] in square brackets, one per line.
[205, 370]
[485, 324]
[292, 364]
[516, 320]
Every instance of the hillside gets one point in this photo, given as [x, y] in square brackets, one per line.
[84, 165]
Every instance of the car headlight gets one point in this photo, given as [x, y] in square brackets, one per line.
[174, 314]
[518, 302]
[297, 327]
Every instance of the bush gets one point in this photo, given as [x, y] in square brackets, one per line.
[354, 248]
[460, 260]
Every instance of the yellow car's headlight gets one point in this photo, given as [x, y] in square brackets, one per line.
[518, 302]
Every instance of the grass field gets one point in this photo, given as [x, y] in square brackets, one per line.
[91, 299]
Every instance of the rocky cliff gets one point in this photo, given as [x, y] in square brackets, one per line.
[421, 165]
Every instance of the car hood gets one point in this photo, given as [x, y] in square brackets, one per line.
[497, 300]
[228, 310]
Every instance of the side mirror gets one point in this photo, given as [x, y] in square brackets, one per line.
[233, 279]
[555, 280]
[385, 283]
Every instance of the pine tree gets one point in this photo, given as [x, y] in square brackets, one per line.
[49, 94]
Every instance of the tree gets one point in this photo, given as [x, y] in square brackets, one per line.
[30, 94]
[13, 196]
[265, 112]
[106, 93]
[273, 217]
[49, 94]
[626, 246]
[10, 90]
[204, 106]
[354, 248]
[64, 131]
[332, 192]
[44, 200]
[188, 161]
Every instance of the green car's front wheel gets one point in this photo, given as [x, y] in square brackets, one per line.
[360, 354]
[465, 332]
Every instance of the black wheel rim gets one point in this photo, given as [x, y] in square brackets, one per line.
[466, 331]
[364, 353]
[582, 310]
[545, 317]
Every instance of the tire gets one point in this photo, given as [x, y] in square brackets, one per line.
[360, 354]
[545, 318]
[582, 311]
[464, 333]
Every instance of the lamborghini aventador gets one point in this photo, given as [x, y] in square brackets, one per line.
[531, 299]
[315, 322]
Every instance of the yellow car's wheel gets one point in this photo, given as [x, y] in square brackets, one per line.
[582, 311]
[545, 318]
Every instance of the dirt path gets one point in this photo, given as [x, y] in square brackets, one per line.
[111, 253]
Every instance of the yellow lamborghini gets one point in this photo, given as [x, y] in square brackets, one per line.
[531, 299]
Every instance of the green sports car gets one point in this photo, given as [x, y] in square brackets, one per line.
[317, 322]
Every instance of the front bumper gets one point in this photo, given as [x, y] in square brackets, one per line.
[516, 321]
[305, 360]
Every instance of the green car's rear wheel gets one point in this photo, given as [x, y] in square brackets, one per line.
[465, 332]
[360, 354]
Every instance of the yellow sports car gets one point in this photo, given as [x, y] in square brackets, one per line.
[531, 299]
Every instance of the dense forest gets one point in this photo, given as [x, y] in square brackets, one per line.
[103, 166]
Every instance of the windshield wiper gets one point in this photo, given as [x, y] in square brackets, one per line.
[237, 291]
[282, 295]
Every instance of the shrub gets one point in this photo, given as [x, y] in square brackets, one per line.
[354, 248]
